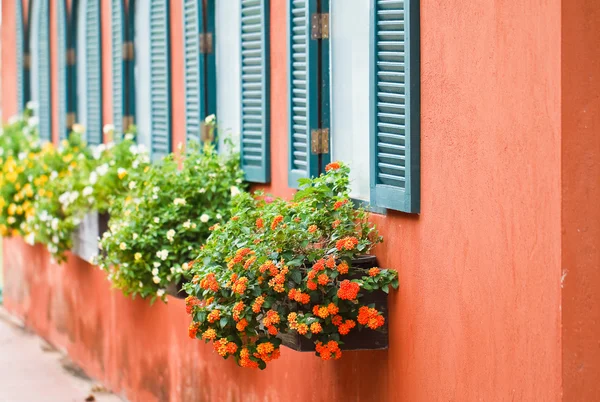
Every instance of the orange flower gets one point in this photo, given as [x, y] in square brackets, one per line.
[249, 262]
[193, 329]
[329, 350]
[315, 328]
[272, 330]
[210, 282]
[260, 223]
[302, 329]
[245, 360]
[347, 243]
[348, 290]
[190, 303]
[213, 316]
[374, 272]
[311, 285]
[239, 286]
[339, 204]
[330, 263]
[270, 266]
[323, 279]
[345, 328]
[276, 221]
[241, 326]
[337, 320]
[235, 218]
[332, 166]
[210, 334]
[319, 266]
[312, 228]
[257, 305]
[224, 347]
[335, 223]
[238, 308]
[343, 268]
[333, 309]
[370, 317]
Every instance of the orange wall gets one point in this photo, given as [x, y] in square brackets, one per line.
[509, 127]
[8, 66]
[580, 219]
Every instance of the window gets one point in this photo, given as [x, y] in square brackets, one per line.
[119, 55]
[199, 64]
[40, 62]
[308, 93]
[63, 70]
[152, 74]
[22, 58]
[254, 144]
[89, 69]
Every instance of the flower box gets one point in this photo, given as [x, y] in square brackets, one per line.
[357, 339]
[86, 237]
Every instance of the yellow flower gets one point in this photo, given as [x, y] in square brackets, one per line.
[68, 158]
[41, 192]
[146, 169]
[122, 173]
[123, 246]
[138, 256]
[11, 177]
[19, 210]
[12, 208]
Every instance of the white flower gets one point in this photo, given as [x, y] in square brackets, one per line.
[156, 220]
[137, 256]
[160, 292]
[185, 266]
[155, 189]
[155, 197]
[129, 137]
[142, 149]
[155, 271]
[234, 191]
[102, 169]
[123, 246]
[32, 121]
[135, 164]
[134, 236]
[78, 128]
[30, 238]
[156, 279]
[238, 181]
[87, 191]
[212, 175]
[202, 191]
[179, 201]
[219, 216]
[204, 218]
[55, 239]
[93, 178]
[140, 284]
[187, 224]
[156, 264]
[22, 155]
[162, 254]
[132, 185]
[171, 235]
[31, 105]
[55, 224]
[98, 150]
[172, 270]
[134, 149]
[14, 119]
[108, 128]
[210, 119]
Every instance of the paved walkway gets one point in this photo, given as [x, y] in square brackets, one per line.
[32, 371]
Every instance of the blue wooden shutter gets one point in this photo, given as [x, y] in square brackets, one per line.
[93, 72]
[63, 77]
[395, 171]
[20, 56]
[41, 67]
[303, 86]
[254, 144]
[160, 87]
[118, 67]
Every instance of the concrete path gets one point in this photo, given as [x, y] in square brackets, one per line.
[31, 370]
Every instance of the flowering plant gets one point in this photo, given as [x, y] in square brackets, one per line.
[279, 266]
[154, 230]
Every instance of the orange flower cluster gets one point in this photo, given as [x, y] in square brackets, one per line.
[329, 350]
[348, 290]
[298, 296]
[347, 243]
[240, 254]
[213, 316]
[245, 360]
[343, 268]
[257, 305]
[210, 282]
[335, 223]
[193, 329]
[224, 347]
[330, 262]
[370, 317]
[237, 310]
[249, 262]
[269, 266]
[235, 218]
[260, 223]
[267, 352]
[276, 221]
[210, 334]
[312, 228]
[277, 282]
[374, 272]
[214, 227]
[271, 319]
[190, 303]
[339, 204]
[345, 328]
[316, 328]
[332, 166]
[323, 279]
[241, 326]
[239, 286]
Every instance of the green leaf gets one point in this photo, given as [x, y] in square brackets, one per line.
[297, 276]
[223, 322]
[386, 289]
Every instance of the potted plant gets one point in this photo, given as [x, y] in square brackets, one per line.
[287, 272]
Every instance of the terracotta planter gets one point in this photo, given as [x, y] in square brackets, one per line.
[357, 339]
[86, 237]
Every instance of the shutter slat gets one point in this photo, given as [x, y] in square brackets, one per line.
[63, 73]
[20, 43]
[395, 142]
[40, 49]
[93, 55]
[160, 93]
[118, 66]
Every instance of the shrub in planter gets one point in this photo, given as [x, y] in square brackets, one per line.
[93, 178]
[154, 231]
[286, 267]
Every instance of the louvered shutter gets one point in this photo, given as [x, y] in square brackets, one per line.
[118, 67]
[303, 86]
[160, 73]
[41, 67]
[395, 173]
[20, 56]
[93, 71]
[255, 150]
[63, 78]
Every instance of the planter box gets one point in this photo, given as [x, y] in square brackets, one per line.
[85, 238]
[357, 339]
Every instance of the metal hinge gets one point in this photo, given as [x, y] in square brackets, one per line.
[319, 141]
[128, 50]
[206, 42]
[207, 132]
[127, 122]
[26, 61]
[70, 119]
[319, 26]
[71, 57]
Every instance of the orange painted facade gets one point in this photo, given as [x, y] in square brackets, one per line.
[499, 274]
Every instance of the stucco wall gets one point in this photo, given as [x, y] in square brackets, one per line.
[478, 315]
